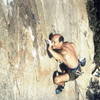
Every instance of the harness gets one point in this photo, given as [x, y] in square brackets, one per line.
[76, 70]
[66, 69]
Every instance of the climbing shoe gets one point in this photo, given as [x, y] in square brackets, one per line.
[82, 62]
[59, 89]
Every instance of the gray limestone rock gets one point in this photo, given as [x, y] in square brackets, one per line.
[25, 69]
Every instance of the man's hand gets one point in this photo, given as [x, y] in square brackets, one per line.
[50, 44]
[48, 41]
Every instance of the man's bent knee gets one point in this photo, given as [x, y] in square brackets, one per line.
[57, 80]
[61, 78]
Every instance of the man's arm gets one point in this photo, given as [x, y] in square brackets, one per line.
[57, 56]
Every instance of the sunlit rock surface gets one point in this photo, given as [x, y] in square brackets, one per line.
[25, 69]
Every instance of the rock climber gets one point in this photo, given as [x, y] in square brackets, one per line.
[66, 54]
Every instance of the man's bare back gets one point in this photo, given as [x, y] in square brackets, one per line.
[69, 54]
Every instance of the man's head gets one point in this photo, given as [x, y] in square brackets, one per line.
[57, 40]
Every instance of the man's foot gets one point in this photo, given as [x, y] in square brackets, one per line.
[59, 89]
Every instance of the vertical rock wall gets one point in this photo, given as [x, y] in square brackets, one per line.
[25, 69]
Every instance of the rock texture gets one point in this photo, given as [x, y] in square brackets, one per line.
[25, 68]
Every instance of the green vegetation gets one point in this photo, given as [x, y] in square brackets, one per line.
[94, 22]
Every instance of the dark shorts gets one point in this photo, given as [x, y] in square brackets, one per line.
[73, 75]
[72, 72]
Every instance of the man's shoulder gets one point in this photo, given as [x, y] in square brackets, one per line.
[68, 46]
[68, 43]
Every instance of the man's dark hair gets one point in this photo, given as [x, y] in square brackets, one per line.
[50, 36]
[61, 39]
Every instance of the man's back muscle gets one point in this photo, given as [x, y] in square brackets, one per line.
[69, 54]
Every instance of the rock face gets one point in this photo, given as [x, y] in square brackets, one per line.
[25, 68]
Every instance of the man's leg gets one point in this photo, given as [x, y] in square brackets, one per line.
[60, 81]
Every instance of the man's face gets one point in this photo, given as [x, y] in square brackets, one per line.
[56, 43]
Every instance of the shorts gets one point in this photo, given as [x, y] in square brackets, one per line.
[71, 72]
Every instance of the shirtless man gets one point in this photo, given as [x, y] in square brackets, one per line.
[68, 58]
